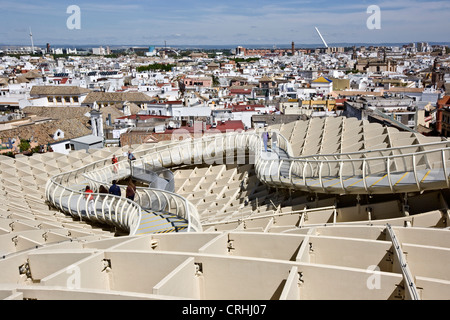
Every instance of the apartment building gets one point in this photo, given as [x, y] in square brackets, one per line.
[59, 96]
[442, 117]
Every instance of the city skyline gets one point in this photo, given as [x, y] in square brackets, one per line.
[205, 23]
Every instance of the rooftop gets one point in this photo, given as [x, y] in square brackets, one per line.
[322, 80]
[117, 97]
[230, 125]
[58, 90]
[89, 140]
[43, 132]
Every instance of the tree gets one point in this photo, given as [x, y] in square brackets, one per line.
[24, 145]
[216, 82]
[156, 67]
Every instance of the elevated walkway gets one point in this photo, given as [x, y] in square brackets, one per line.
[383, 171]
[158, 222]
[402, 169]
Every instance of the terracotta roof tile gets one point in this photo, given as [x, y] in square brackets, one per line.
[117, 97]
[58, 112]
[43, 132]
[58, 90]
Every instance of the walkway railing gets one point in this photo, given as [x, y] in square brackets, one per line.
[384, 151]
[390, 170]
[163, 201]
[66, 192]
[399, 169]
[340, 173]
[159, 178]
[98, 207]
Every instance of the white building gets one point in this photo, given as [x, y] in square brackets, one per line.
[322, 85]
[243, 113]
[58, 96]
[176, 109]
[99, 51]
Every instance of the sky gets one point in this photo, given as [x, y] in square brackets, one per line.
[212, 22]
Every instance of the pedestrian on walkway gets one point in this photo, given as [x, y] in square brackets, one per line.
[131, 190]
[265, 140]
[274, 140]
[90, 199]
[115, 165]
[115, 189]
[131, 156]
[102, 189]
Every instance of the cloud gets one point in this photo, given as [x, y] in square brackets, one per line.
[209, 22]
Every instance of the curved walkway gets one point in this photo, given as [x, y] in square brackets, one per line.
[393, 170]
[383, 171]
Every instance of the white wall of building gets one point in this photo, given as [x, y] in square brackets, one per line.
[190, 111]
[61, 147]
[38, 102]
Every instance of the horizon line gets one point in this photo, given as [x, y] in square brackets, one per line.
[231, 44]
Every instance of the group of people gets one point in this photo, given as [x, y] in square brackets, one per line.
[115, 161]
[114, 189]
[130, 192]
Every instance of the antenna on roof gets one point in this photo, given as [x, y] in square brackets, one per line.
[323, 40]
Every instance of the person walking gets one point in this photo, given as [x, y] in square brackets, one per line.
[90, 199]
[131, 190]
[102, 189]
[274, 139]
[115, 165]
[115, 189]
[265, 140]
[131, 156]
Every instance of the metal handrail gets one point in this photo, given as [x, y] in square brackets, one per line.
[190, 215]
[315, 163]
[53, 188]
[197, 149]
[365, 162]
[365, 153]
[314, 158]
[94, 176]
